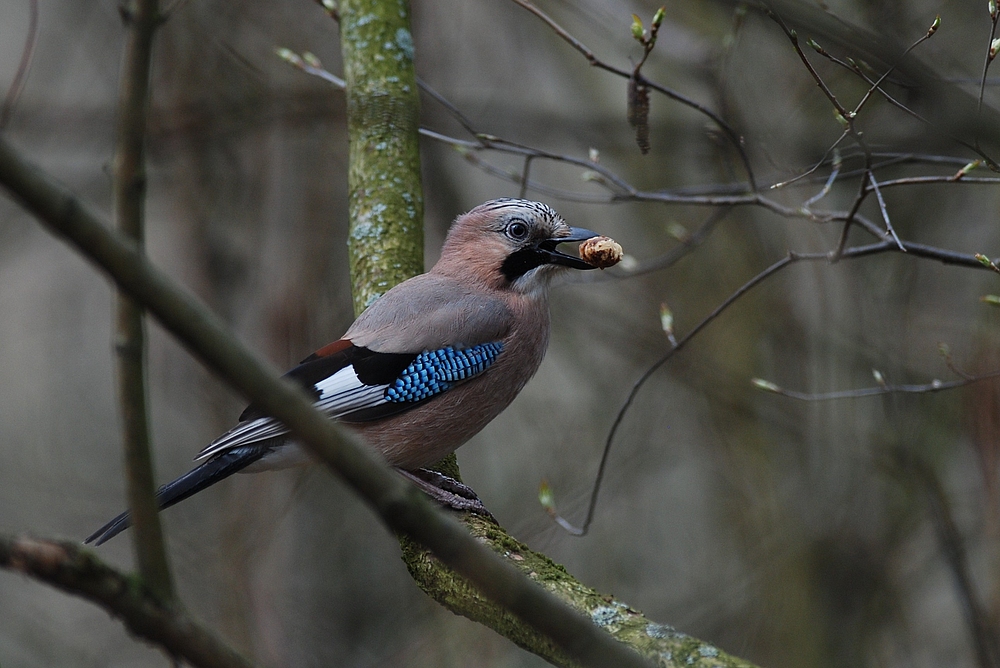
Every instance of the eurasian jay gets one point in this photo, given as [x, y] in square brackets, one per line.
[428, 364]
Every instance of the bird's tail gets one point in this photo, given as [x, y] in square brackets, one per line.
[192, 482]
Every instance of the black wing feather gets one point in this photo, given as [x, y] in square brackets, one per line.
[371, 367]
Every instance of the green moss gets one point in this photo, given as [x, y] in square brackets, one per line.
[449, 467]
[456, 594]
[385, 196]
[661, 643]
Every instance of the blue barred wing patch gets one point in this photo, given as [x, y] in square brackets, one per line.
[436, 371]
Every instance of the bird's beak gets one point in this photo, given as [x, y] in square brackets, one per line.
[576, 234]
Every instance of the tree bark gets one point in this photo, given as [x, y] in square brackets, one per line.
[386, 203]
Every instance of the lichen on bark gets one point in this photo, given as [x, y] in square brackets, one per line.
[661, 643]
[386, 204]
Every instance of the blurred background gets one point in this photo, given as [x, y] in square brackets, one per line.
[806, 534]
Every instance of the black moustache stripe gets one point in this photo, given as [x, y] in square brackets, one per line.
[521, 262]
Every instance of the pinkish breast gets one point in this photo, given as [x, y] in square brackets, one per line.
[423, 435]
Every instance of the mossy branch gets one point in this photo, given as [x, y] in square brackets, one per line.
[661, 643]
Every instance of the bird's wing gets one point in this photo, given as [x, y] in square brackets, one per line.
[430, 311]
[418, 340]
[341, 377]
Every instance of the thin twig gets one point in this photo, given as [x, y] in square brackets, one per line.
[602, 466]
[794, 39]
[141, 18]
[855, 69]
[849, 219]
[849, 121]
[811, 170]
[990, 55]
[451, 108]
[847, 117]
[912, 249]
[877, 85]
[829, 182]
[731, 134]
[917, 180]
[933, 386]
[524, 176]
[885, 212]
[27, 54]
[310, 64]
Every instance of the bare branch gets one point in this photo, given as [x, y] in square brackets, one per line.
[991, 52]
[885, 212]
[877, 85]
[854, 68]
[911, 249]
[933, 386]
[17, 85]
[829, 182]
[981, 627]
[141, 18]
[524, 176]
[66, 566]
[634, 392]
[731, 134]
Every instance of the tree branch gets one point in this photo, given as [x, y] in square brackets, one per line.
[981, 627]
[141, 18]
[66, 566]
[734, 138]
[400, 505]
[660, 642]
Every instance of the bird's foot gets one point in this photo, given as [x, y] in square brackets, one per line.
[447, 491]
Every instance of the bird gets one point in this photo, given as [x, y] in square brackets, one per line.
[427, 365]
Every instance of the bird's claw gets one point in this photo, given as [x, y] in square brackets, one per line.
[447, 491]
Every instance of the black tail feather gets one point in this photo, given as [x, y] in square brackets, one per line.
[190, 483]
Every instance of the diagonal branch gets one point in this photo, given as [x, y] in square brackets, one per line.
[400, 505]
[792, 257]
[66, 566]
[27, 54]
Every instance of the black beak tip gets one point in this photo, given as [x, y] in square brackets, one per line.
[576, 235]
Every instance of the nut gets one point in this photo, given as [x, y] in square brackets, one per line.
[602, 252]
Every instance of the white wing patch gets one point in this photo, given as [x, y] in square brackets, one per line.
[343, 393]
[339, 394]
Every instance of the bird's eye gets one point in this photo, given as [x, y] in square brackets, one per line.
[517, 230]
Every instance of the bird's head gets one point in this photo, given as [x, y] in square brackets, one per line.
[510, 244]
